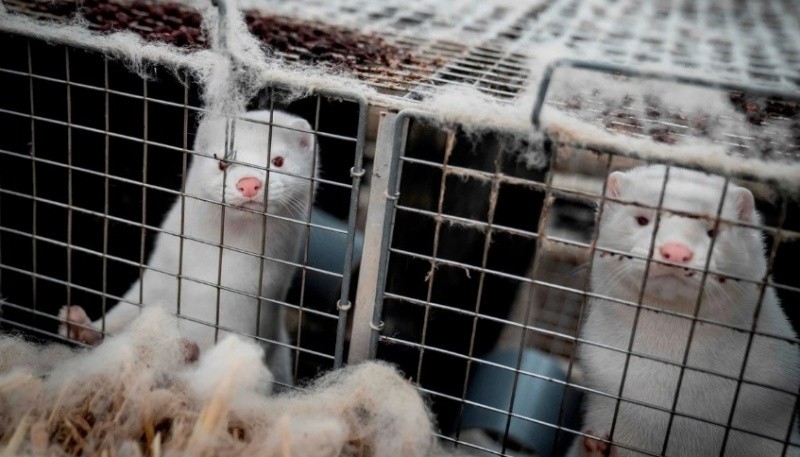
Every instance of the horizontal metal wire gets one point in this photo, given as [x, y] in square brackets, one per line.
[124, 300]
[486, 176]
[158, 101]
[585, 293]
[588, 247]
[111, 177]
[466, 444]
[463, 69]
[182, 236]
[487, 227]
[391, 340]
[179, 316]
[166, 146]
[574, 339]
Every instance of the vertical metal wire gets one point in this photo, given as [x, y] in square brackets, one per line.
[695, 313]
[182, 196]
[792, 425]
[584, 299]
[776, 241]
[639, 301]
[487, 242]
[309, 208]
[230, 126]
[343, 305]
[106, 171]
[34, 185]
[431, 276]
[69, 178]
[142, 245]
[260, 302]
[536, 261]
[1, 243]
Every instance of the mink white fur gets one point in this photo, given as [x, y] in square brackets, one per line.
[737, 251]
[290, 156]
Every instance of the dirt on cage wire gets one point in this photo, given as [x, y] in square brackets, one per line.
[747, 125]
[178, 24]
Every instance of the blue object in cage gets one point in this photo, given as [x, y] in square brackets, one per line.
[536, 397]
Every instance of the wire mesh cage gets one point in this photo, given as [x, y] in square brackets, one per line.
[99, 158]
[575, 286]
[463, 300]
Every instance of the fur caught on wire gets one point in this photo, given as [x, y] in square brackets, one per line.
[136, 394]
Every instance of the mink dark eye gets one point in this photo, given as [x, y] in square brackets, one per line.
[277, 161]
[641, 220]
[222, 164]
[711, 233]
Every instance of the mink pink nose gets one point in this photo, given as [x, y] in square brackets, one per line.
[249, 186]
[676, 252]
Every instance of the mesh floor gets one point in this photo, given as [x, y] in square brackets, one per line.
[757, 43]
[491, 44]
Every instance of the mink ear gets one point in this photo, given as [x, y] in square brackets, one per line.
[614, 184]
[744, 204]
[306, 136]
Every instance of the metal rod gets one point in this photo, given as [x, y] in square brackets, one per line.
[367, 292]
[343, 305]
[391, 196]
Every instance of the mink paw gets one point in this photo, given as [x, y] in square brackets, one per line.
[594, 448]
[76, 325]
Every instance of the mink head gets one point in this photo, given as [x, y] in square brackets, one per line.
[678, 251]
[272, 167]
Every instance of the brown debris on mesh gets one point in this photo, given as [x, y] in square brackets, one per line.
[179, 24]
[317, 42]
[769, 127]
[623, 122]
[173, 23]
[757, 109]
[663, 135]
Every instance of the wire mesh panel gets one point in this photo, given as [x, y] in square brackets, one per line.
[556, 296]
[112, 198]
[411, 49]
[753, 43]
[526, 294]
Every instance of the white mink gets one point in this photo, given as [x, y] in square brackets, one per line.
[684, 241]
[293, 161]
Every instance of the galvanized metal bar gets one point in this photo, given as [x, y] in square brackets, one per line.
[356, 173]
[391, 195]
[371, 258]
